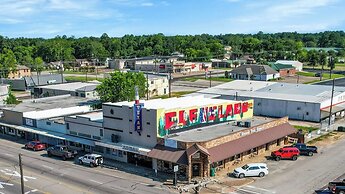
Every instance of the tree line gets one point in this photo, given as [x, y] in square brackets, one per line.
[263, 46]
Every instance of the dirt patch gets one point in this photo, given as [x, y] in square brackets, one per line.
[327, 139]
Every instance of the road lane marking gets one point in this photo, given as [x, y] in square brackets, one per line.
[10, 155]
[7, 184]
[96, 181]
[31, 191]
[16, 174]
[45, 166]
[248, 191]
[249, 186]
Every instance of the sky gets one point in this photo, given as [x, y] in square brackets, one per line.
[79, 18]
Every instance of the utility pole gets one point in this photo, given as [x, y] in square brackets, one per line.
[210, 78]
[330, 108]
[147, 86]
[21, 173]
[169, 84]
[297, 79]
[87, 68]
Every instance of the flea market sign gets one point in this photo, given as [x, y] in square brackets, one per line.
[168, 120]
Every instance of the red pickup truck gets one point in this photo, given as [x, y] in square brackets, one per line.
[286, 153]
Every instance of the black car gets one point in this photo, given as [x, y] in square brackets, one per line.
[305, 150]
[337, 187]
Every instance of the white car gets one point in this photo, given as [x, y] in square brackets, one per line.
[91, 159]
[253, 169]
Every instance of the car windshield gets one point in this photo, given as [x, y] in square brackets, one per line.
[64, 148]
[280, 150]
[245, 167]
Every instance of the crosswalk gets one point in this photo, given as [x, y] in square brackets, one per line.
[248, 189]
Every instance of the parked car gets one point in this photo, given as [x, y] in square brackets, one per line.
[252, 169]
[337, 187]
[61, 151]
[317, 74]
[286, 153]
[35, 145]
[306, 150]
[91, 159]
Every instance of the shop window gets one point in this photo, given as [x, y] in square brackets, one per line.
[101, 132]
[166, 165]
[107, 150]
[73, 133]
[120, 153]
[98, 149]
[114, 152]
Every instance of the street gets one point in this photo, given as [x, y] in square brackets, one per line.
[306, 175]
[52, 175]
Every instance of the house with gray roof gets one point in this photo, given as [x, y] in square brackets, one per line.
[254, 72]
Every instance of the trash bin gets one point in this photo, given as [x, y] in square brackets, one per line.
[213, 172]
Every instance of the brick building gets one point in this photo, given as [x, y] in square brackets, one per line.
[283, 69]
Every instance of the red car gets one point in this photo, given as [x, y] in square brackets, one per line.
[35, 145]
[286, 153]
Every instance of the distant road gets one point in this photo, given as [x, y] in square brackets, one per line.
[337, 82]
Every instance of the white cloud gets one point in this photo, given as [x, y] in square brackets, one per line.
[146, 4]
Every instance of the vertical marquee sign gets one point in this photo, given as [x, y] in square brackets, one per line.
[138, 117]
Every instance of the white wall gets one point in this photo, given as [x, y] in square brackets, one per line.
[51, 126]
[122, 119]
[85, 126]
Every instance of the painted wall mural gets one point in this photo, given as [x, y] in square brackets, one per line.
[214, 113]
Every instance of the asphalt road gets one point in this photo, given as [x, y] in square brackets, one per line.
[337, 82]
[52, 175]
[306, 175]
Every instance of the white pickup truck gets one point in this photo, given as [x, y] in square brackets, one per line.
[91, 159]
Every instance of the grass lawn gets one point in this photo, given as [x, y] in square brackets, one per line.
[220, 79]
[325, 76]
[174, 94]
[338, 66]
[305, 129]
[81, 79]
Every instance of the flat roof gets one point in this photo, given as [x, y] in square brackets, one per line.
[173, 103]
[93, 116]
[273, 90]
[72, 86]
[207, 133]
[39, 104]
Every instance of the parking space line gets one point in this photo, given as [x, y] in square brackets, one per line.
[45, 166]
[249, 186]
[248, 191]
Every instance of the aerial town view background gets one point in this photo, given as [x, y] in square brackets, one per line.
[150, 96]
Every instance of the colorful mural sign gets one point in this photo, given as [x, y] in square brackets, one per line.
[214, 113]
[137, 109]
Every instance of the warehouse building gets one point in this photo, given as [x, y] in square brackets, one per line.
[297, 101]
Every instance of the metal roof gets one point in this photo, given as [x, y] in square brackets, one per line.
[273, 90]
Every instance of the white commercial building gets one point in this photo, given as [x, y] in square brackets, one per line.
[273, 99]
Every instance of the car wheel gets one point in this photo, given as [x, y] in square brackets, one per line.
[342, 192]
[91, 164]
[49, 154]
[34, 149]
[310, 153]
[261, 174]
[64, 158]
[294, 158]
[241, 176]
[81, 162]
[26, 147]
[278, 158]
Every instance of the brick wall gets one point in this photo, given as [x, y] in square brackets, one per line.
[287, 72]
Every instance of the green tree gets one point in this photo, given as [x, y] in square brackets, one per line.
[11, 99]
[8, 62]
[120, 87]
[38, 65]
[322, 62]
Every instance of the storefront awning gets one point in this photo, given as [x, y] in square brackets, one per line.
[249, 142]
[125, 147]
[51, 134]
[169, 154]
